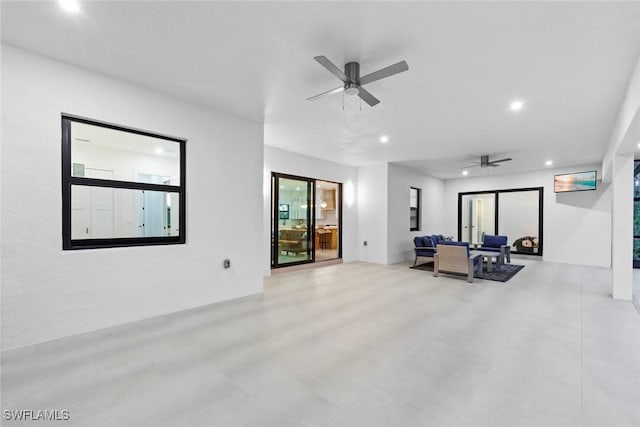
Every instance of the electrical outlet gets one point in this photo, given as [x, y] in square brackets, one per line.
[365, 243]
[227, 263]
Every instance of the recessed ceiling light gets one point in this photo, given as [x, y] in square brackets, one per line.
[465, 172]
[71, 6]
[516, 105]
[384, 139]
[158, 151]
[548, 162]
[638, 144]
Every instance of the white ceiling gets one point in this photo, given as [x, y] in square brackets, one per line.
[570, 63]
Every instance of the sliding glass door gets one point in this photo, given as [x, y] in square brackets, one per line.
[515, 213]
[293, 220]
[306, 223]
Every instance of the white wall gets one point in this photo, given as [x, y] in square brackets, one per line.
[577, 226]
[372, 213]
[400, 239]
[622, 144]
[626, 130]
[49, 293]
[277, 160]
[622, 226]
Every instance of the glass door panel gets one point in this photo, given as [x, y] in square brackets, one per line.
[519, 219]
[327, 219]
[636, 217]
[293, 223]
[477, 217]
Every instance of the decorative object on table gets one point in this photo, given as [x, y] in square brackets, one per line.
[580, 181]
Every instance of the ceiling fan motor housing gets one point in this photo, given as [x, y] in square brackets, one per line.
[352, 71]
[352, 85]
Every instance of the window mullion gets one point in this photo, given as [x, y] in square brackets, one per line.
[93, 182]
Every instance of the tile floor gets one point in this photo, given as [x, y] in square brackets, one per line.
[356, 345]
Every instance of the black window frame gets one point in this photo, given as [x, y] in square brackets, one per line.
[418, 203]
[68, 180]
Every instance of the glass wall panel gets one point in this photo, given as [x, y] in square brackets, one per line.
[327, 219]
[107, 213]
[636, 232]
[294, 244]
[518, 218]
[478, 216]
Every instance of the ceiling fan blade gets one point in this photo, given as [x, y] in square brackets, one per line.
[329, 92]
[333, 69]
[368, 98]
[467, 167]
[384, 72]
[492, 165]
[501, 160]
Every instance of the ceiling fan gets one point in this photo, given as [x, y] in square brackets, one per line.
[352, 82]
[485, 163]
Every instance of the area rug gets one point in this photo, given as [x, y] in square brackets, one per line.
[500, 273]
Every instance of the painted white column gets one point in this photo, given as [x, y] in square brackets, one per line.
[622, 226]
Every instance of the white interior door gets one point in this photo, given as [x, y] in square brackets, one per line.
[102, 214]
[153, 214]
[80, 212]
[92, 212]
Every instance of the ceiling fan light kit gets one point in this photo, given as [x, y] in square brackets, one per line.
[352, 82]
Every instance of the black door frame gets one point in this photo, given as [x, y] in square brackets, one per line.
[496, 194]
[311, 217]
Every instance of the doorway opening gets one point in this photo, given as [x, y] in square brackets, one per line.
[306, 222]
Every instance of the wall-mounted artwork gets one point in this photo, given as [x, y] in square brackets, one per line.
[580, 181]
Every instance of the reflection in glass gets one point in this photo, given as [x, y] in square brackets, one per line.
[327, 215]
[130, 156]
[104, 213]
[478, 216]
[518, 218]
[294, 236]
[636, 217]
[636, 248]
[414, 209]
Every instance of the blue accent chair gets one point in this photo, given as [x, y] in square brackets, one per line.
[455, 257]
[500, 244]
[424, 247]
